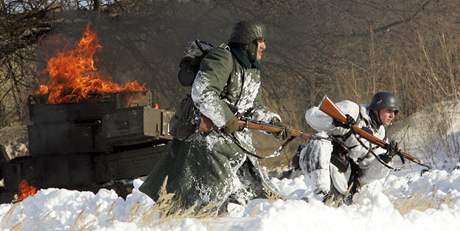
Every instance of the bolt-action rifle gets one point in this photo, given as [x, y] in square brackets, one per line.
[206, 125]
[270, 128]
[328, 107]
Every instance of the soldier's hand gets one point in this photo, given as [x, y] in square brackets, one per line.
[392, 150]
[231, 126]
[283, 134]
[277, 122]
[348, 123]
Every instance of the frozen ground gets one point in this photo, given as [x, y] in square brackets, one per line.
[405, 202]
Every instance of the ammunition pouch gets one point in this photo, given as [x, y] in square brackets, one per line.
[339, 156]
[353, 183]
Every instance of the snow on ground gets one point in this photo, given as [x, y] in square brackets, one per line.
[402, 201]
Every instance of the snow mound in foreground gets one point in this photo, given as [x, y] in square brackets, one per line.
[409, 202]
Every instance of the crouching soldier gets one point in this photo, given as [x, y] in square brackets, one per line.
[337, 160]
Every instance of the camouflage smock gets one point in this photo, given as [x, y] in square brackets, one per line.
[203, 169]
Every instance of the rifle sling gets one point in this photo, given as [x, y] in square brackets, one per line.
[371, 151]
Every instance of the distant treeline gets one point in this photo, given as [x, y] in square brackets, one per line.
[347, 49]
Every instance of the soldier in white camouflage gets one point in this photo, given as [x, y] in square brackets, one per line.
[336, 160]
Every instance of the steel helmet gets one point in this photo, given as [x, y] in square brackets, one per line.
[245, 32]
[384, 100]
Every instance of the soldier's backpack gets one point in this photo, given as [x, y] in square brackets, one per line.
[186, 118]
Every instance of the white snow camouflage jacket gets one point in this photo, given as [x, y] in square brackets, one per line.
[319, 150]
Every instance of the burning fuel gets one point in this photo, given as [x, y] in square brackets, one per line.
[74, 76]
[25, 190]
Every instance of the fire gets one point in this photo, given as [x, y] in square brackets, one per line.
[74, 76]
[25, 190]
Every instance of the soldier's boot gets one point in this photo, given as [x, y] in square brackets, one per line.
[335, 199]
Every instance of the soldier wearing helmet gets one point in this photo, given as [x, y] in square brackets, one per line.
[214, 166]
[249, 37]
[383, 108]
[337, 161]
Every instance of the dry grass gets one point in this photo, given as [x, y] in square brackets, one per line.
[168, 208]
[8, 215]
[273, 196]
[17, 226]
[84, 221]
[426, 73]
[421, 202]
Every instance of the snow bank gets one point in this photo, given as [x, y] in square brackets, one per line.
[378, 206]
[432, 134]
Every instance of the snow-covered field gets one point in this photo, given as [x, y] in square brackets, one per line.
[405, 202]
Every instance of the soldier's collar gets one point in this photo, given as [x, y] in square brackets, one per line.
[241, 55]
[375, 120]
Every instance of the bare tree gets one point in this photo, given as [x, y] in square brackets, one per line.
[345, 49]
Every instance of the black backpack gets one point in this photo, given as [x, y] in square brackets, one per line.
[186, 118]
[190, 63]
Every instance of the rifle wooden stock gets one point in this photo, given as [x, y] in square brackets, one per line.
[328, 107]
[272, 128]
[206, 126]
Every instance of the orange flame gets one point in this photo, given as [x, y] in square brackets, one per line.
[25, 190]
[74, 76]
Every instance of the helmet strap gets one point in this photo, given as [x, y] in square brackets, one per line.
[375, 118]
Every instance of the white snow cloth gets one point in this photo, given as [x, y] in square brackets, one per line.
[315, 159]
[320, 121]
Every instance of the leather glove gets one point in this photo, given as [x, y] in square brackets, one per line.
[283, 134]
[392, 150]
[231, 126]
[350, 121]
